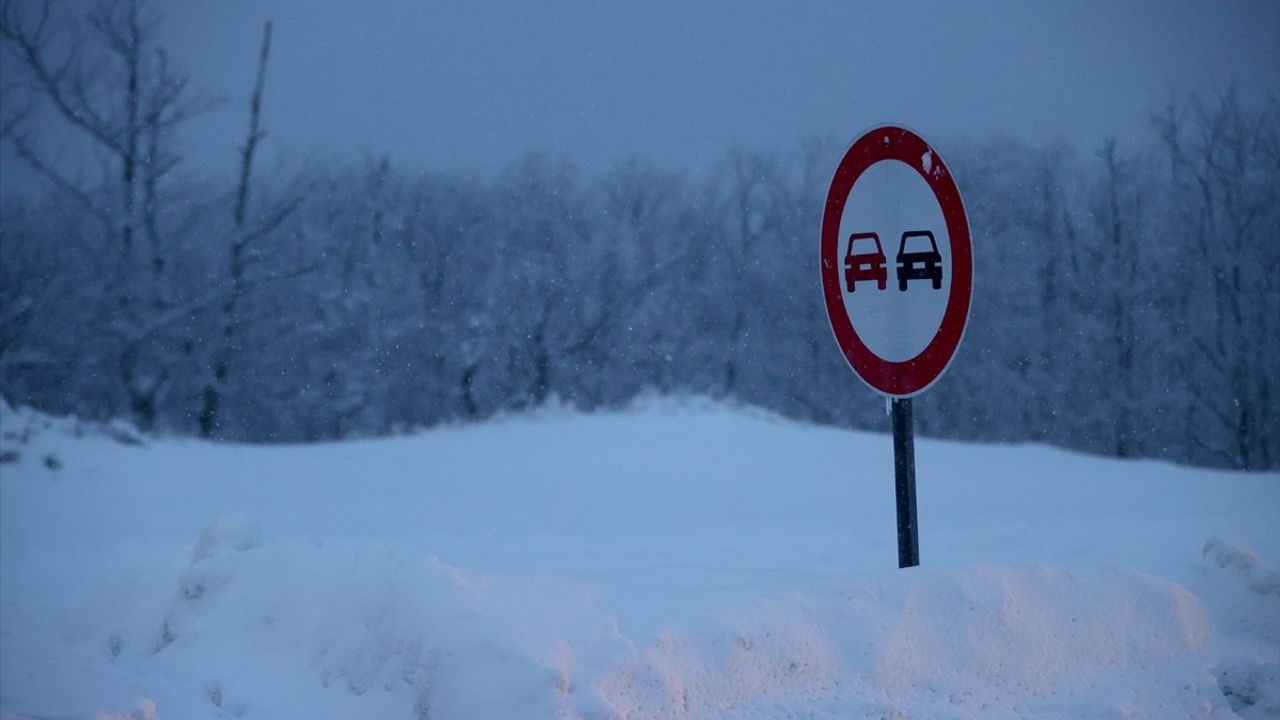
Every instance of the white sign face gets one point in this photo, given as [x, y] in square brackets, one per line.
[891, 213]
[896, 261]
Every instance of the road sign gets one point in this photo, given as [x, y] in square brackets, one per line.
[899, 315]
[897, 265]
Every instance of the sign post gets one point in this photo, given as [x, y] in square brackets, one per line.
[897, 278]
[904, 483]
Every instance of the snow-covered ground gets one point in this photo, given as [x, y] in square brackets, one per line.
[672, 561]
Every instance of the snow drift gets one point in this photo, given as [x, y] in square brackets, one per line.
[687, 561]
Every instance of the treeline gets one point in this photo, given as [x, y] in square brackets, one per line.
[1126, 299]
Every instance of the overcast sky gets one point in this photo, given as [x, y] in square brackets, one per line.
[475, 85]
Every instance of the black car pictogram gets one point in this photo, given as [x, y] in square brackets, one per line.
[865, 265]
[922, 265]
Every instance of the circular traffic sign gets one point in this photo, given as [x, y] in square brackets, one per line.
[897, 264]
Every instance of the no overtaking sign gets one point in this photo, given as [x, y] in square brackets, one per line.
[897, 277]
[897, 266]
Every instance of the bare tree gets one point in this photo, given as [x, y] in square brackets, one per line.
[1226, 169]
[106, 79]
[1119, 296]
[242, 255]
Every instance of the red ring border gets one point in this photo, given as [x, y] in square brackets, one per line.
[914, 376]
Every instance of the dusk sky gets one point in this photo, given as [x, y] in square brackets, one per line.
[473, 86]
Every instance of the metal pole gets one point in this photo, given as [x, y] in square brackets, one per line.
[904, 475]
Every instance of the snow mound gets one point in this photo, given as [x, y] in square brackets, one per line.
[1247, 588]
[346, 631]
[233, 533]
[1262, 577]
[367, 630]
[145, 710]
[694, 562]
[31, 436]
[988, 642]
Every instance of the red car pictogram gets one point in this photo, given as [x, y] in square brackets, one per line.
[865, 265]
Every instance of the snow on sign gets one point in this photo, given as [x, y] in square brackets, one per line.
[897, 266]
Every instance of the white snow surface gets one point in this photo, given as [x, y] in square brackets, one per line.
[676, 560]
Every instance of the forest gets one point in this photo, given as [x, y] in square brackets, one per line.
[1125, 303]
